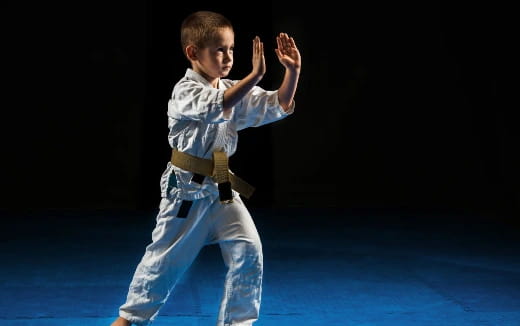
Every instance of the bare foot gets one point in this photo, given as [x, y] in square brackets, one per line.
[120, 321]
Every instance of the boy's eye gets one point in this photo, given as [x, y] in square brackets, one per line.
[224, 50]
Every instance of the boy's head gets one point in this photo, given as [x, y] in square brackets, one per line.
[208, 42]
[201, 28]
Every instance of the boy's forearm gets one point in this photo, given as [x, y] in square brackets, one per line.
[234, 94]
[288, 88]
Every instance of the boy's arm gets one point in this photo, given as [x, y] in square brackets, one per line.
[235, 93]
[289, 56]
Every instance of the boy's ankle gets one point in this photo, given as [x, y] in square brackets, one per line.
[120, 321]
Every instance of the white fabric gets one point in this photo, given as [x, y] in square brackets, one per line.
[175, 244]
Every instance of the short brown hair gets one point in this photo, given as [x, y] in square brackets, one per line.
[199, 28]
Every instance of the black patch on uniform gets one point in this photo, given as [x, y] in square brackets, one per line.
[198, 178]
[224, 190]
[184, 209]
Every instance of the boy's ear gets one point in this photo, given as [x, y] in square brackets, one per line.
[191, 52]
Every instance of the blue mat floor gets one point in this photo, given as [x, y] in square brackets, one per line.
[322, 267]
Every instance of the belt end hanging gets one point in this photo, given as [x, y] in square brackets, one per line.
[225, 193]
[221, 173]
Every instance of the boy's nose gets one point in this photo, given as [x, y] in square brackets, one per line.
[229, 56]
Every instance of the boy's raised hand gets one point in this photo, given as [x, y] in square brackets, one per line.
[258, 58]
[287, 52]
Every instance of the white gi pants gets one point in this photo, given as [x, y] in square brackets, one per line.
[177, 241]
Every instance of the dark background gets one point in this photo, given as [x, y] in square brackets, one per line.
[400, 106]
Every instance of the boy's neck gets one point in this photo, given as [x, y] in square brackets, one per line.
[213, 81]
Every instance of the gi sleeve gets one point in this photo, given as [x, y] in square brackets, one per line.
[259, 107]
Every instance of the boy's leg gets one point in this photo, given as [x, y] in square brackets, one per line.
[176, 241]
[242, 252]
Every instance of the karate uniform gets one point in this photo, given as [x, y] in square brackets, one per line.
[190, 213]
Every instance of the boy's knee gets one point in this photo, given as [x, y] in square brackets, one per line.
[252, 257]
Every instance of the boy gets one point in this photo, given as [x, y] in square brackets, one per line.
[201, 201]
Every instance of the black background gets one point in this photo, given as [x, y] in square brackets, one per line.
[400, 105]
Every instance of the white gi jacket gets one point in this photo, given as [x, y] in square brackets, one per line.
[198, 127]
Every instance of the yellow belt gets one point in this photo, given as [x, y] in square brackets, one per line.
[218, 169]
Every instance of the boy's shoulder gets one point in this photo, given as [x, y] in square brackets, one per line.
[192, 80]
[228, 82]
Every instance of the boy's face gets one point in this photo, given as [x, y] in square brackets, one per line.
[215, 60]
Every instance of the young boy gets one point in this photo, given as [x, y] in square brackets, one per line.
[201, 201]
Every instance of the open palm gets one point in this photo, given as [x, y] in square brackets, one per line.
[287, 52]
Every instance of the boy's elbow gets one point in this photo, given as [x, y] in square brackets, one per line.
[288, 107]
